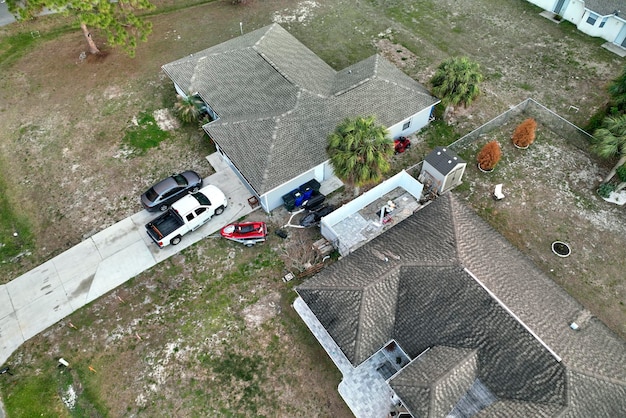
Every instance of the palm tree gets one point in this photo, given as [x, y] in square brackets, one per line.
[359, 151]
[611, 142]
[188, 108]
[617, 90]
[456, 82]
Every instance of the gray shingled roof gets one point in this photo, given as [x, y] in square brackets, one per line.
[436, 381]
[277, 101]
[427, 298]
[606, 7]
[443, 159]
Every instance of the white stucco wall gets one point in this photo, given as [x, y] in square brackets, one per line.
[418, 121]
[274, 198]
[402, 179]
[608, 32]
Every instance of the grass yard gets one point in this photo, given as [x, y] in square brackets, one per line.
[211, 330]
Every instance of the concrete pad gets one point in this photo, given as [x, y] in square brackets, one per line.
[43, 312]
[6, 306]
[33, 285]
[116, 237]
[77, 263]
[119, 267]
[10, 336]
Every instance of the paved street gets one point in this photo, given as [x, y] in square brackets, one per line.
[41, 297]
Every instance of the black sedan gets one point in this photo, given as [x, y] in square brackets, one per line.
[167, 191]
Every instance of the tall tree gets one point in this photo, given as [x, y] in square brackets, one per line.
[456, 82]
[359, 151]
[117, 19]
[611, 141]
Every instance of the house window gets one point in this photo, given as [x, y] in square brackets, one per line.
[603, 22]
[592, 19]
[406, 125]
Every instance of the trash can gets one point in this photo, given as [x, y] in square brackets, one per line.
[311, 184]
[299, 198]
[289, 201]
[307, 192]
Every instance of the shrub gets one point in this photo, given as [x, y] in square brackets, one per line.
[489, 155]
[189, 108]
[621, 173]
[605, 189]
[524, 134]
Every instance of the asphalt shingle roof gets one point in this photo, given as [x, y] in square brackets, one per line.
[429, 294]
[273, 94]
[443, 159]
[606, 7]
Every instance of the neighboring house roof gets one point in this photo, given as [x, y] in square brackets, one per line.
[443, 159]
[277, 101]
[605, 7]
[421, 284]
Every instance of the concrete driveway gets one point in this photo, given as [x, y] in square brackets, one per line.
[41, 297]
[5, 16]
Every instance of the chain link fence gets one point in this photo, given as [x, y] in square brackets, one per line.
[529, 108]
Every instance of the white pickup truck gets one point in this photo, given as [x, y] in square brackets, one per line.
[187, 214]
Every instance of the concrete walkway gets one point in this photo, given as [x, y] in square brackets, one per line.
[32, 302]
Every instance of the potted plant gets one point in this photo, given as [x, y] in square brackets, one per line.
[524, 134]
[489, 156]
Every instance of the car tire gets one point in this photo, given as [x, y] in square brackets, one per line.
[195, 189]
[176, 240]
[163, 208]
[219, 210]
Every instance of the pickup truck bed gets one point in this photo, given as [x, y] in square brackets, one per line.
[164, 225]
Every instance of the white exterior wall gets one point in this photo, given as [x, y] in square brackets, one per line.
[609, 31]
[274, 198]
[402, 179]
[418, 121]
[544, 4]
[574, 12]
[572, 9]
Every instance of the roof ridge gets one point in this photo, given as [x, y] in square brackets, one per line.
[597, 376]
[357, 335]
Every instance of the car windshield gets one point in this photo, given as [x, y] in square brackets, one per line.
[151, 194]
[202, 199]
[180, 179]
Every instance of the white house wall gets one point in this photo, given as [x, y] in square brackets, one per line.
[402, 179]
[418, 121]
[274, 198]
[574, 11]
[609, 31]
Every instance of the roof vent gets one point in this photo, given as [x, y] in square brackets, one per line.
[444, 149]
[454, 158]
[574, 326]
[438, 153]
[449, 161]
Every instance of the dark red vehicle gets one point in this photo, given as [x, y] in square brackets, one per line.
[247, 233]
[401, 144]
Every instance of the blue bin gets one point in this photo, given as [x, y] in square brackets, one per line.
[299, 198]
[307, 192]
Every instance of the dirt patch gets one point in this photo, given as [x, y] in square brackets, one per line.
[550, 196]
[166, 120]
